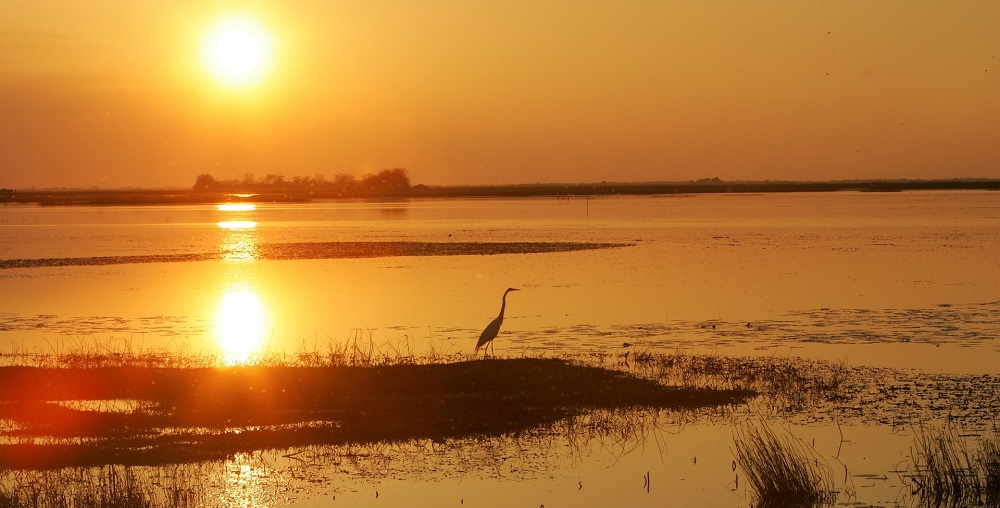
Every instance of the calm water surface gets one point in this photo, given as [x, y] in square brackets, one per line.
[903, 280]
[816, 274]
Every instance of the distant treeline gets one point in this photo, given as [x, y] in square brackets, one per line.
[395, 184]
[388, 182]
[702, 186]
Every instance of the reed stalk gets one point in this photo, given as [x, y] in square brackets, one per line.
[781, 469]
[947, 473]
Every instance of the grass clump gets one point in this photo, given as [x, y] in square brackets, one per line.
[989, 463]
[781, 469]
[948, 473]
[945, 472]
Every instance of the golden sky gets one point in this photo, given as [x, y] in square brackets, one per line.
[115, 93]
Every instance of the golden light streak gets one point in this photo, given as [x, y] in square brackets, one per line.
[238, 224]
[236, 207]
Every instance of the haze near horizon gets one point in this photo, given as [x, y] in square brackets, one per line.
[151, 94]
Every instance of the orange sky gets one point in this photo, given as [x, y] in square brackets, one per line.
[113, 93]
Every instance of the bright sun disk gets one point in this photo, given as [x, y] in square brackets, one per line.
[237, 51]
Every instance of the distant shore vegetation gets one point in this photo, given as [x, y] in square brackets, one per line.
[395, 184]
[389, 182]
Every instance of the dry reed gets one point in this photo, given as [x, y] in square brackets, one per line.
[947, 473]
[781, 469]
[110, 486]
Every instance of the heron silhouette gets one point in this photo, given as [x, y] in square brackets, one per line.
[492, 329]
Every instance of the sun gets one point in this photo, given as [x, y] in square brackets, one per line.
[237, 50]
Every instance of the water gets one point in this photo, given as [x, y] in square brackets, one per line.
[902, 280]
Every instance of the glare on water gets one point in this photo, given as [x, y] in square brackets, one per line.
[241, 315]
[236, 207]
[240, 325]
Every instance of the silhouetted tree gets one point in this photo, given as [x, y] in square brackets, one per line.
[342, 184]
[205, 182]
[386, 182]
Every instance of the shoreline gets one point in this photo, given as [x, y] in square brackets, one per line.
[131, 197]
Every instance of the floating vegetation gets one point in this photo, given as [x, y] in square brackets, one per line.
[781, 469]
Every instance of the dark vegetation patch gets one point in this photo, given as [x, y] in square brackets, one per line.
[278, 191]
[200, 414]
[327, 250]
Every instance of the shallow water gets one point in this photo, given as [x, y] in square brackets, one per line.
[803, 270]
[903, 280]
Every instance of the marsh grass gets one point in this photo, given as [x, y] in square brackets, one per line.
[989, 464]
[361, 349]
[114, 352]
[358, 348]
[948, 473]
[111, 486]
[781, 469]
[356, 391]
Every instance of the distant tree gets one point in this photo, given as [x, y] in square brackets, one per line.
[205, 182]
[387, 181]
[395, 179]
[343, 184]
[274, 181]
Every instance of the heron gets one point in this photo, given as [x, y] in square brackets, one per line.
[492, 329]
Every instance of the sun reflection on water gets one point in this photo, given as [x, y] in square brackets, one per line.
[237, 224]
[236, 207]
[239, 247]
[239, 241]
[240, 321]
[241, 315]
